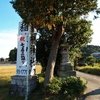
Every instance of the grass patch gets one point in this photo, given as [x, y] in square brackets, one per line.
[5, 75]
[5, 79]
[7, 71]
[89, 69]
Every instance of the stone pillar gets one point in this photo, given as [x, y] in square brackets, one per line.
[25, 79]
[65, 68]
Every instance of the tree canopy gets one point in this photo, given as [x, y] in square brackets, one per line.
[56, 15]
[44, 12]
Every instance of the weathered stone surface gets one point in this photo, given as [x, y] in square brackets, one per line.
[64, 52]
[18, 85]
[65, 63]
[66, 73]
[65, 69]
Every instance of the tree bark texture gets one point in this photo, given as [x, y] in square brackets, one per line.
[51, 63]
[57, 33]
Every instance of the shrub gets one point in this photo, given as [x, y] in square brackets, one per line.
[71, 87]
[74, 87]
[90, 60]
[54, 86]
[91, 70]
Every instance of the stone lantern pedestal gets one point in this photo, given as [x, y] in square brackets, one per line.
[65, 68]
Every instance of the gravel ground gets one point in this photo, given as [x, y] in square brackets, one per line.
[93, 86]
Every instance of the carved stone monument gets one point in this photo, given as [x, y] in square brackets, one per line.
[65, 68]
[25, 79]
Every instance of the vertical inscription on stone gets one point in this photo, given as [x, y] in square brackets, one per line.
[23, 51]
[26, 53]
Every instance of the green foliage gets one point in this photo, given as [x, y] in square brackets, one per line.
[78, 33]
[90, 60]
[71, 87]
[54, 86]
[13, 54]
[74, 87]
[43, 47]
[44, 12]
[89, 49]
[91, 70]
[98, 61]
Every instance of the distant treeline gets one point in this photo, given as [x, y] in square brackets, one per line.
[89, 49]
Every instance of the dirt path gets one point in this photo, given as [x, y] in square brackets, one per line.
[93, 86]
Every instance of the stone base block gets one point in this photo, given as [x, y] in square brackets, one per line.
[18, 85]
[66, 73]
[65, 67]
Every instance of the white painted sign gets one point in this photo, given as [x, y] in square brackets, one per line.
[26, 53]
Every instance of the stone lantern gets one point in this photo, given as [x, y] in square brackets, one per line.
[65, 68]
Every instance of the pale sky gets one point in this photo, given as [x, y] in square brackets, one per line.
[9, 20]
[96, 30]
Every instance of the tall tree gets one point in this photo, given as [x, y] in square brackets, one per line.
[78, 35]
[53, 14]
[13, 54]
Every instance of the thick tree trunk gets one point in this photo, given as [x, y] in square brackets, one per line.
[51, 62]
[57, 32]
